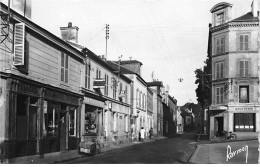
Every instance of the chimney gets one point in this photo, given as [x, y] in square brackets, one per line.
[69, 33]
[103, 57]
[255, 8]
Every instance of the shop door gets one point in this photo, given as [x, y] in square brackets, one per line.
[219, 125]
[63, 131]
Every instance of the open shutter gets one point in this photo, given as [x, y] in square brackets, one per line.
[249, 68]
[251, 94]
[19, 33]
[236, 93]
[238, 67]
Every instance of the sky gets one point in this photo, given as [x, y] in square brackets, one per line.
[169, 37]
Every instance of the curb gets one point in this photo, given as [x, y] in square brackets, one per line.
[109, 150]
[191, 158]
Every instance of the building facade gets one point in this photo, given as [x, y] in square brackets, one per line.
[156, 87]
[235, 78]
[132, 69]
[149, 109]
[40, 90]
[105, 111]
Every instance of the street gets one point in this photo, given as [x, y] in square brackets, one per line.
[174, 150]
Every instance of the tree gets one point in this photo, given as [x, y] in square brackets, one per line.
[203, 79]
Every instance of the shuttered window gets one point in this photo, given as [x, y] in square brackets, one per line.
[244, 122]
[126, 100]
[19, 34]
[106, 86]
[220, 45]
[64, 68]
[220, 19]
[243, 42]
[87, 74]
[219, 95]
[243, 68]
[219, 70]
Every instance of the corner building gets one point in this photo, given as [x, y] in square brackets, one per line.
[235, 80]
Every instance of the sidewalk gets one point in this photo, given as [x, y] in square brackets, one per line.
[70, 155]
[219, 153]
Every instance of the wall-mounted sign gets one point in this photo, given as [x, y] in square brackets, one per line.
[244, 108]
[217, 108]
[99, 83]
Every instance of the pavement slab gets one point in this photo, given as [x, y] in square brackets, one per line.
[240, 152]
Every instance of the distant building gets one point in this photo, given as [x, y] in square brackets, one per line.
[138, 112]
[156, 86]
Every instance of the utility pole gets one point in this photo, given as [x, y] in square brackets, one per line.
[258, 45]
[107, 37]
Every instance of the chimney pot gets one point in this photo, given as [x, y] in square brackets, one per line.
[70, 24]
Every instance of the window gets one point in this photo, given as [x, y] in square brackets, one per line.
[220, 19]
[220, 45]
[51, 119]
[64, 68]
[243, 69]
[72, 123]
[137, 99]
[244, 122]
[126, 100]
[243, 42]
[140, 99]
[106, 85]
[114, 87]
[219, 95]
[126, 123]
[90, 123]
[219, 70]
[98, 74]
[115, 121]
[244, 94]
[120, 91]
[87, 75]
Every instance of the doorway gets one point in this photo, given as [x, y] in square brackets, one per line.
[219, 125]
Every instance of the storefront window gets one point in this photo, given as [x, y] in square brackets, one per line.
[72, 121]
[50, 120]
[244, 122]
[90, 123]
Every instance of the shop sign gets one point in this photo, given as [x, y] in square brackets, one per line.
[28, 89]
[217, 108]
[99, 83]
[244, 108]
[61, 97]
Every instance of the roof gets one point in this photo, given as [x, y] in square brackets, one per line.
[130, 62]
[96, 58]
[123, 70]
[246, 18]
[220, 6]
[53, 39]
[155, 83]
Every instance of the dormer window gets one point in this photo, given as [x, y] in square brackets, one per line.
[221, 13]
[220, 19]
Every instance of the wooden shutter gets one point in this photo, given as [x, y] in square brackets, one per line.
[238, 67]
[251, 94]
[19, 34]
[249, 68]
[236, 93]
